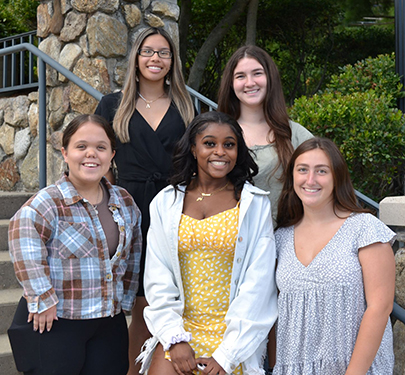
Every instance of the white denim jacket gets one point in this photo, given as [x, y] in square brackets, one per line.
[253, 296]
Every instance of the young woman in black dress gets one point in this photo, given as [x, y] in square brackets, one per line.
[149, 116]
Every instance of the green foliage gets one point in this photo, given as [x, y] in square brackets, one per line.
[357, 112]
[306, 38]
[17, 16]
[356, 9]
[352, 44]
[376, 74]
[206, 14]
[298, 34]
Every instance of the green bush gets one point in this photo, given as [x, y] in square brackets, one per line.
[352, 44]
[17, 16]
[376, 74]
[369, 131]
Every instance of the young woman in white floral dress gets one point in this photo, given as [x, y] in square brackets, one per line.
[335, 272]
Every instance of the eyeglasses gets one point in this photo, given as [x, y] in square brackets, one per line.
[163, 54]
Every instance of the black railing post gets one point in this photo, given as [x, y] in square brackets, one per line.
[22, 64]
[42, 122]
[13, 66]
[400, 45]
[5, 67]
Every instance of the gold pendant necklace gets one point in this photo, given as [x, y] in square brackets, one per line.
[149, 102]
[203, 195]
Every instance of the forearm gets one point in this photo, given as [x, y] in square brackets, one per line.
[368, 341]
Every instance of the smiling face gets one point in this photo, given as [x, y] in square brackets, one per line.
[88, 154]
[216, 151]
[313, 179]
[250, 82]
[154, 68]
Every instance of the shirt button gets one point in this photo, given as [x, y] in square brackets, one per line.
[109, 277]
[232, 367]
[240, 239]
[236, 281]
[239, 260]
[119, 253]
[122, 228]
[114, 208]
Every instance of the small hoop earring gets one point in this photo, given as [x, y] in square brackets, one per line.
[136, 78]
[167, 81]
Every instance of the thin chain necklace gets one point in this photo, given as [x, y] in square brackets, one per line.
[203, 195]
[149, 102]
[98, 194]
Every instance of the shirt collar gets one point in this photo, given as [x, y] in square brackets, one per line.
[71, 196]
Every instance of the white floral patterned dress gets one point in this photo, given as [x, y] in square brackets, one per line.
[321, 305]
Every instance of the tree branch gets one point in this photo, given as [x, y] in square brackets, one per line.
[251, 22]
[184, 22]
[212, 41]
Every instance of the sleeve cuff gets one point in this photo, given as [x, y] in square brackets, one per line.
[128, 301]
[223, 361]
[181, 337]
[39, 304]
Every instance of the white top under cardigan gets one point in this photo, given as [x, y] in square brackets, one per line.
[253, 296]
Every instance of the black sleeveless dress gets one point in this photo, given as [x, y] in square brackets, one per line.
[143, 164]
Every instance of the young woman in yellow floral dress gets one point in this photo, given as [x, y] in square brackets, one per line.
[209, 277]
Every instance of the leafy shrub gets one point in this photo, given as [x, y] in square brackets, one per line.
[353, 44]
[17, 16]
[369, 131]
[376, 74]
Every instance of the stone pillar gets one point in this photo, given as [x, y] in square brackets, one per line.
[392, 213]
[93, 39]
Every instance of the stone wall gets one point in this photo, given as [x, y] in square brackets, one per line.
[91, 38]
[392, 213]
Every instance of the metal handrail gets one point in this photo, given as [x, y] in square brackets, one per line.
[42, 59]
[18, 71]
[198, 99]
[368, 201]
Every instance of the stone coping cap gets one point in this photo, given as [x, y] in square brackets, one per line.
[392, 211]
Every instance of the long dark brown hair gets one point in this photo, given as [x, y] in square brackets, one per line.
[290, 209]
[274, 107]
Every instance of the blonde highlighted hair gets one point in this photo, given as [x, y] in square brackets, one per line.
[176, 91]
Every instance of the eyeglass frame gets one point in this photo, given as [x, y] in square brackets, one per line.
[158, 52]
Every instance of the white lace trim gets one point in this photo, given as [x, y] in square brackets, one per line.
[181, 337]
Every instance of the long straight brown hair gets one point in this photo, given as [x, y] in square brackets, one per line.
[275, 110]
[176, 90]
[290, 208]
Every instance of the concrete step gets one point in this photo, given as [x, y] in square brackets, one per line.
[9, 299]
[4, 234]
[7, 365]
[10, 202]
[7, 275]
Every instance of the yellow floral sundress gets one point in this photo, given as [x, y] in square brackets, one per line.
[206, 252]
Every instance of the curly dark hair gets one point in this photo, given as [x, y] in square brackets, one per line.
[184, 166]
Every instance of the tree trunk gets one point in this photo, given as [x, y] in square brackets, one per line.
[184, 22]
[251, 22]
[212, 41]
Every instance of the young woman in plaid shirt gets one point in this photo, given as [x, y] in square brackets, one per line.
[76, 248]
